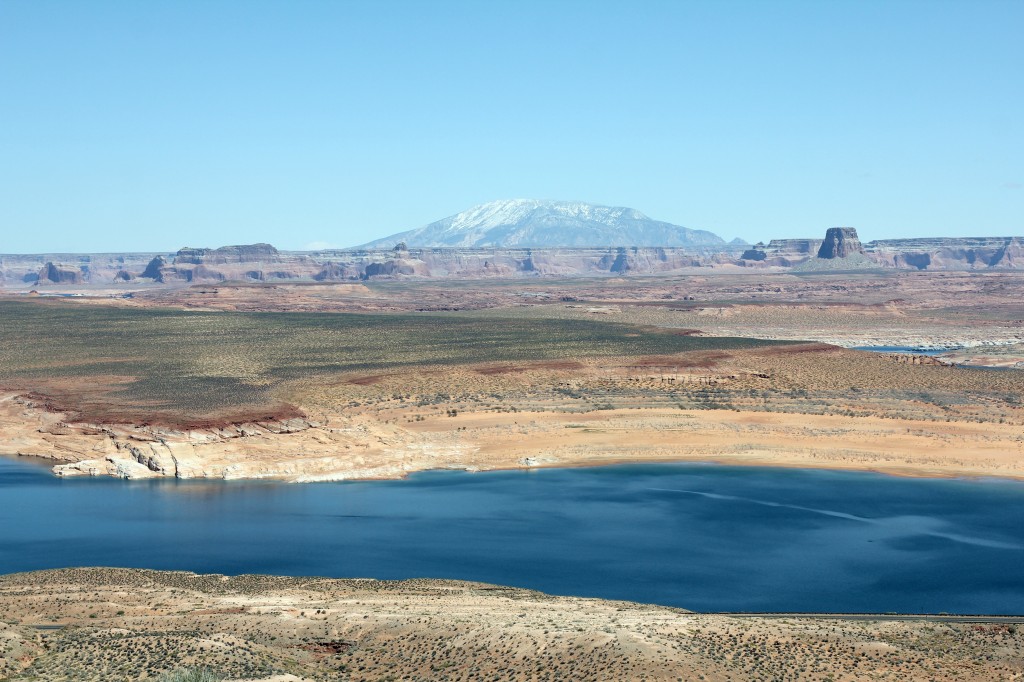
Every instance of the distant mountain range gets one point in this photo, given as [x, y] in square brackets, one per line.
[520, 238]
[531, 223]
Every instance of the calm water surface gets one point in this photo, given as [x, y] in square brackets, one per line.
[698, 536]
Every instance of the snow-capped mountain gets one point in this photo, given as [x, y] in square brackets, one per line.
[528, 222]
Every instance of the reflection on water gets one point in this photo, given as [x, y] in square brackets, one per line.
[698, 536]
[897, 525]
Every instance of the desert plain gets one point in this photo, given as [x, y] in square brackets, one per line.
[327, 381]
[311, 382]
[116, 624]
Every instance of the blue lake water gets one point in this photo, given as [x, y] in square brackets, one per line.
[703, 537]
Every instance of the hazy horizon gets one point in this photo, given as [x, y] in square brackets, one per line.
[313, 247]
[148, 127]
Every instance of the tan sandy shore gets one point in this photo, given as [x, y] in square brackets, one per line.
[116, 624]
[918, 448]
[336, 447]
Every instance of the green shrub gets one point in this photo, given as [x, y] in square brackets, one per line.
[190, 675]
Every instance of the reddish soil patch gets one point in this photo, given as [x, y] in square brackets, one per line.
[94, 410]
[799, 348]
[694, 360]
[534, 366]
[215, 420]
[367, 380]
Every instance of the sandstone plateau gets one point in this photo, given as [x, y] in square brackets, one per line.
[841, 248]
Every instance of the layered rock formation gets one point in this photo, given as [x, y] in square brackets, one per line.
[240, 263]
[841, 249]
[781, 252]
[840, 242]
[248, 253]
[190, 266]
[56, 269]
[154, 268]
[60, 274]
[525, 262]
[334, 272]
[298, 448]
[966, 253]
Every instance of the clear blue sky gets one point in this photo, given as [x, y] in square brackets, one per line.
[152, 125]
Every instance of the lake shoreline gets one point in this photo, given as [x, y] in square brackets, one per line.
[46, 575]
[333, 447]
[703, 537]
[252, 626]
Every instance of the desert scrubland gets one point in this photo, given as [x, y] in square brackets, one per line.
[374, 380]
[315, 382]
[116, 624]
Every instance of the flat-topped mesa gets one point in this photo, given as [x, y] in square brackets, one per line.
[840, 242]
[950, 253]
[800, 247]
[57, 273]
[781, 252]
[935, 243]
[245, 253]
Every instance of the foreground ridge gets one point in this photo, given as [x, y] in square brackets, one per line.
[107, 623]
